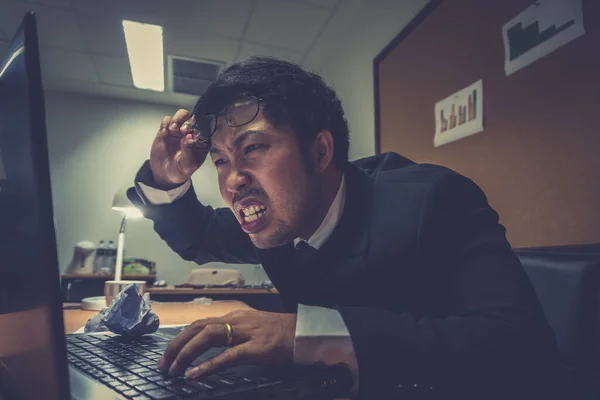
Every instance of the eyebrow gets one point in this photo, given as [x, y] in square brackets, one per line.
[237, 142]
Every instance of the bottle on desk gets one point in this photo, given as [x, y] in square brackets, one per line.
[101, 263]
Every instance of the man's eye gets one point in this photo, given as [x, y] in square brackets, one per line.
[218, 162]
[252, 147]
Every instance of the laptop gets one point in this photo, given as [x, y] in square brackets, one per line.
[37, 359]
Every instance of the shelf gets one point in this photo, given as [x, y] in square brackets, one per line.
[171, 290]
[108, 277]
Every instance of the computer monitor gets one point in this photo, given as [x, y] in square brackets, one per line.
[32, 345]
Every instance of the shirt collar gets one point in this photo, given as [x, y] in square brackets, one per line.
[330, 221]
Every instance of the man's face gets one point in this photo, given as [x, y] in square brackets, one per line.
[264, 180]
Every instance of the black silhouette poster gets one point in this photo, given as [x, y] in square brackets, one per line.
[539, 30]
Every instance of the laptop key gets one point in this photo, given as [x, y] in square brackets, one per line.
[140, 370]
[161, 394]
[137, 382]
[201, 386]
[110, 381]
[113, 370]
[131, 393]
[147, 363]
[182, 389]
[147, 386]
[128, 379]
[122, 387]
[146, 373]
[218, 381]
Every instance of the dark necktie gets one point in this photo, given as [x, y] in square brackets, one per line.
[306, 249]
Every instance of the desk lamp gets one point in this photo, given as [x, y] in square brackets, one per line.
[122, 203]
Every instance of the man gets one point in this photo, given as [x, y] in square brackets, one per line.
[399, 270]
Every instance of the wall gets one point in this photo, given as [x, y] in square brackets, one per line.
[96, 146]
[537, 158]
[349, 68]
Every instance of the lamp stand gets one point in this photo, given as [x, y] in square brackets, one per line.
[120, 247]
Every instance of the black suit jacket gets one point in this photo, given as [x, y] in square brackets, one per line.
[420, 270]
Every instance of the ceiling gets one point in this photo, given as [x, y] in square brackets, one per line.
[83, 48]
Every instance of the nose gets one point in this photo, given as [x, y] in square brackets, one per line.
[237, 180]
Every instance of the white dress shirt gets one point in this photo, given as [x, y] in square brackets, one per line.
[321, 334]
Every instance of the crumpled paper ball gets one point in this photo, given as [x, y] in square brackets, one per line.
[128, 314]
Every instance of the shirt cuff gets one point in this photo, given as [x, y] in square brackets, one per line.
[322, 337]
[158, 196]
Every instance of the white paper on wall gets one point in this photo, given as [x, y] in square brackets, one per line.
[459, 115]
[539, 30]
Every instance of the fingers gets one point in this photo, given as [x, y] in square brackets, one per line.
[178, 124]
[181, 340]
[164, 126]
[188, 125]
[179, 118]
[213, 335]
[230, 357]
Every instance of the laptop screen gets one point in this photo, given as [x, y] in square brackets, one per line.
[32, 350]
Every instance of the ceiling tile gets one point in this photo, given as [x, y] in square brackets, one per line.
[11, 15]
[330, 4]
[286, 24]
[148, 11]
[103, 32]
[204, 46]
[227, 18]
[113, 70]
[56, 3]
[3, 50]
[254, 49]
[56, 27]
[59, 28]
[57, 63]
[94, 6]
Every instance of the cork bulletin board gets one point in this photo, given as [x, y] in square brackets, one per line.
[538, 158]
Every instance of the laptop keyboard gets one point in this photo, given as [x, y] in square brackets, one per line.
[128, 365]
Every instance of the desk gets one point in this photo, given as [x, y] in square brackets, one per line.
[75, 287]
[258, 298]
[168, 313]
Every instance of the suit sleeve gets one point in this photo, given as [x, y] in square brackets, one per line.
[194, 231]
[489, 335]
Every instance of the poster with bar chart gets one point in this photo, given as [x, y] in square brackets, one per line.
[539, 30]
[459, 115]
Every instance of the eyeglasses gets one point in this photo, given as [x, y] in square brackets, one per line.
[240, 113]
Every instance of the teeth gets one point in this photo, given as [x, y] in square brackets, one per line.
[252, 215]
[248, 211]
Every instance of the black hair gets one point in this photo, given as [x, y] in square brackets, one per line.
[291, 96]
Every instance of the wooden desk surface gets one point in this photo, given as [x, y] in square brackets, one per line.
[172, 290]
[168, 313]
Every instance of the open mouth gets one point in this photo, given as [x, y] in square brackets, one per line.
[253, 212]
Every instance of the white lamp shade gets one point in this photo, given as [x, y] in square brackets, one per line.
[122, 203]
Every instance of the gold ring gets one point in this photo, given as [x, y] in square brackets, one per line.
[229, 334]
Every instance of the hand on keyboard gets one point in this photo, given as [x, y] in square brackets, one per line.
[257, 338]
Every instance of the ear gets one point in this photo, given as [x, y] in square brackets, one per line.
[322, 150]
